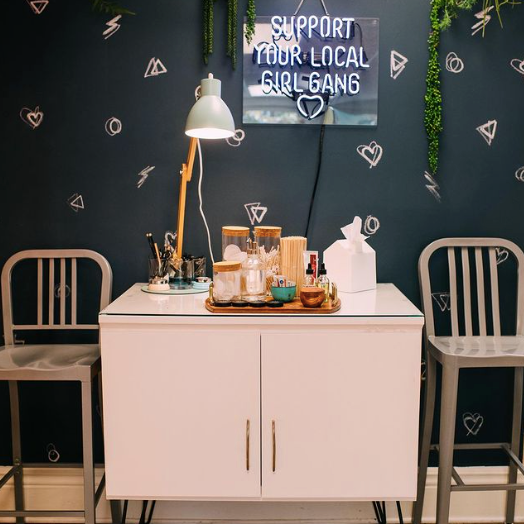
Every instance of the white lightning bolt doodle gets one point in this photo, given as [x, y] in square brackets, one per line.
[144, 174]
[112, 27]
[484, 18]
[432, 187]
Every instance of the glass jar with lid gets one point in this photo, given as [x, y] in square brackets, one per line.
[234, 243]
[226, 281]
[268, 238]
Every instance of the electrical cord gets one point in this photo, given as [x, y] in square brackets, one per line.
[201, 202]
[317, 177]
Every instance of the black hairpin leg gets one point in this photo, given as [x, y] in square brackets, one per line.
[124, 511]
[380, 512]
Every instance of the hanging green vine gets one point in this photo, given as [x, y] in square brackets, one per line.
[251, 14]
[433, 98]
[441, 15]
[110, 8]
[208, 29]
[232, 24]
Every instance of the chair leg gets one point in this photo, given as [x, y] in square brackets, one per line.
[448, 412]
[515, 441]
[429, 408]
[17, 449]
[87, 444]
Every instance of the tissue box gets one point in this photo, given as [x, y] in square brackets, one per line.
[351, 272]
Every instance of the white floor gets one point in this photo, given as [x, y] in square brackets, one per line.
[62, 488]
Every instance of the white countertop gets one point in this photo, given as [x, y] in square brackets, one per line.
[385, 301]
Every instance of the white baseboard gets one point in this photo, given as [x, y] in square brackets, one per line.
[62, 489]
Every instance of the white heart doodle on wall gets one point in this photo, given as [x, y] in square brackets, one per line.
[75, 202]
[472, 422]
[112, 27]
[442, 299]
[488, 131]
[255, 212]
[397, 64]
[371, 225]
[502, 255]
[518, 65]
[113, 126]
[143, 175]
[38, 5]
[372, 153]
[433, 187]
[454, 64]
[32, 117]
[310, 112]
[519, 174]
[155, 68]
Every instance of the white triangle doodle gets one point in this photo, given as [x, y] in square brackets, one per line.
[255, 212]
[38, 6]
[76, 202]
[488, 131]
[155, 68]
[442, 299]
[397, 64]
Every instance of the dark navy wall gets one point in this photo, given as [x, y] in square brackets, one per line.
[60, 61]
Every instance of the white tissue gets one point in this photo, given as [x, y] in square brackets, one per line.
[354, 236]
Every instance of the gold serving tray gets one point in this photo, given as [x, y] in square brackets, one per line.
[289, 308]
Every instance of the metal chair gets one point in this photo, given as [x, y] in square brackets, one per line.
[467, 349]
[59, 362]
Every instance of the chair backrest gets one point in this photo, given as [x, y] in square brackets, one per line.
[467, 247]
[53, 319]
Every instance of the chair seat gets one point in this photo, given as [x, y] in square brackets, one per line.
[49, 361]
[507, 351]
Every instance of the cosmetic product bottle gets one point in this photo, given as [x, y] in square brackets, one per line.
[310, 277]
[323, 281]
[253, 275]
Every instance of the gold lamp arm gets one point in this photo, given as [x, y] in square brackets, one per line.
[185, 177]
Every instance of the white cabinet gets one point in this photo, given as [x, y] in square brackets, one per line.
[339, 415]
[176, 409]
[323, 407]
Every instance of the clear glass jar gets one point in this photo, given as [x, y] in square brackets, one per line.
[253, 276]
[234, 243]
[226, 281]
[268, 238]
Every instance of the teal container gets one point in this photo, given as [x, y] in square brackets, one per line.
[284, 294]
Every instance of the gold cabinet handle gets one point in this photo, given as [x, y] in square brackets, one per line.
[274, 445]
[248, 424]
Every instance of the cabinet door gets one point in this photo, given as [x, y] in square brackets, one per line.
[177, 405]
[340, 415]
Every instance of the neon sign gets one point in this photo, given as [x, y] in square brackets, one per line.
[312, 69]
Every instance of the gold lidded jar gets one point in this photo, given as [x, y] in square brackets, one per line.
[226, 281]
[268, 241]
[234, 243]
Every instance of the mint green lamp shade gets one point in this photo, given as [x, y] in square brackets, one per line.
[210, 117]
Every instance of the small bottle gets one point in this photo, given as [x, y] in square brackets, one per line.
[323, 281]
[310, 279]
[253, 275]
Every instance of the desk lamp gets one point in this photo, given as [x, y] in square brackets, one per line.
[209, 118]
